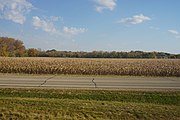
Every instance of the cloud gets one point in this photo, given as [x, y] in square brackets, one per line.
[56, 18]
[137, 19]
[105, 4]
[45, 25]
[73, 30]
[15, 10]
[174, 32]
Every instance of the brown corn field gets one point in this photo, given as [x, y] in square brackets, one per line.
[132, 67]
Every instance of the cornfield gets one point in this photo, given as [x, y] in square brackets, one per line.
[132, 67]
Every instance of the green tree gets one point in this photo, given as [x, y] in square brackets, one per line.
[3, 51]
[32, 52]
[10, 47]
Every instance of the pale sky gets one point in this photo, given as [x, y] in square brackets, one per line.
[93, 25]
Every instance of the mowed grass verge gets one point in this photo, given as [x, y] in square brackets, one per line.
[88, 104]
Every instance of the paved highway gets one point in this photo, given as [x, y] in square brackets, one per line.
[90, 82]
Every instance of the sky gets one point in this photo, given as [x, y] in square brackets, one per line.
[93, 25]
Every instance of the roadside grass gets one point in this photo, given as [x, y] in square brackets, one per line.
[80, 75]
[53, 104]
[154, 97]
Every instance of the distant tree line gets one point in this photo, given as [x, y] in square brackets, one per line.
[10, 47]
[104, 54]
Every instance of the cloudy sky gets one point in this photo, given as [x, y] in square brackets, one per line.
[88, 25]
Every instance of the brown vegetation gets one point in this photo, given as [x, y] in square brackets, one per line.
[9, 47]
[133, 67]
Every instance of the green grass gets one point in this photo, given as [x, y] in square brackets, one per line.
[88, 104]
[79, 75]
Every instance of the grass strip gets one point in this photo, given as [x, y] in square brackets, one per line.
[154, 97]
[35, 108]
[88, 104]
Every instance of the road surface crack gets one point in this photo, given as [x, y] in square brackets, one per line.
[45, 81]
[94, 83]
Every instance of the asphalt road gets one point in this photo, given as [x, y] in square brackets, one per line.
[90, 82]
